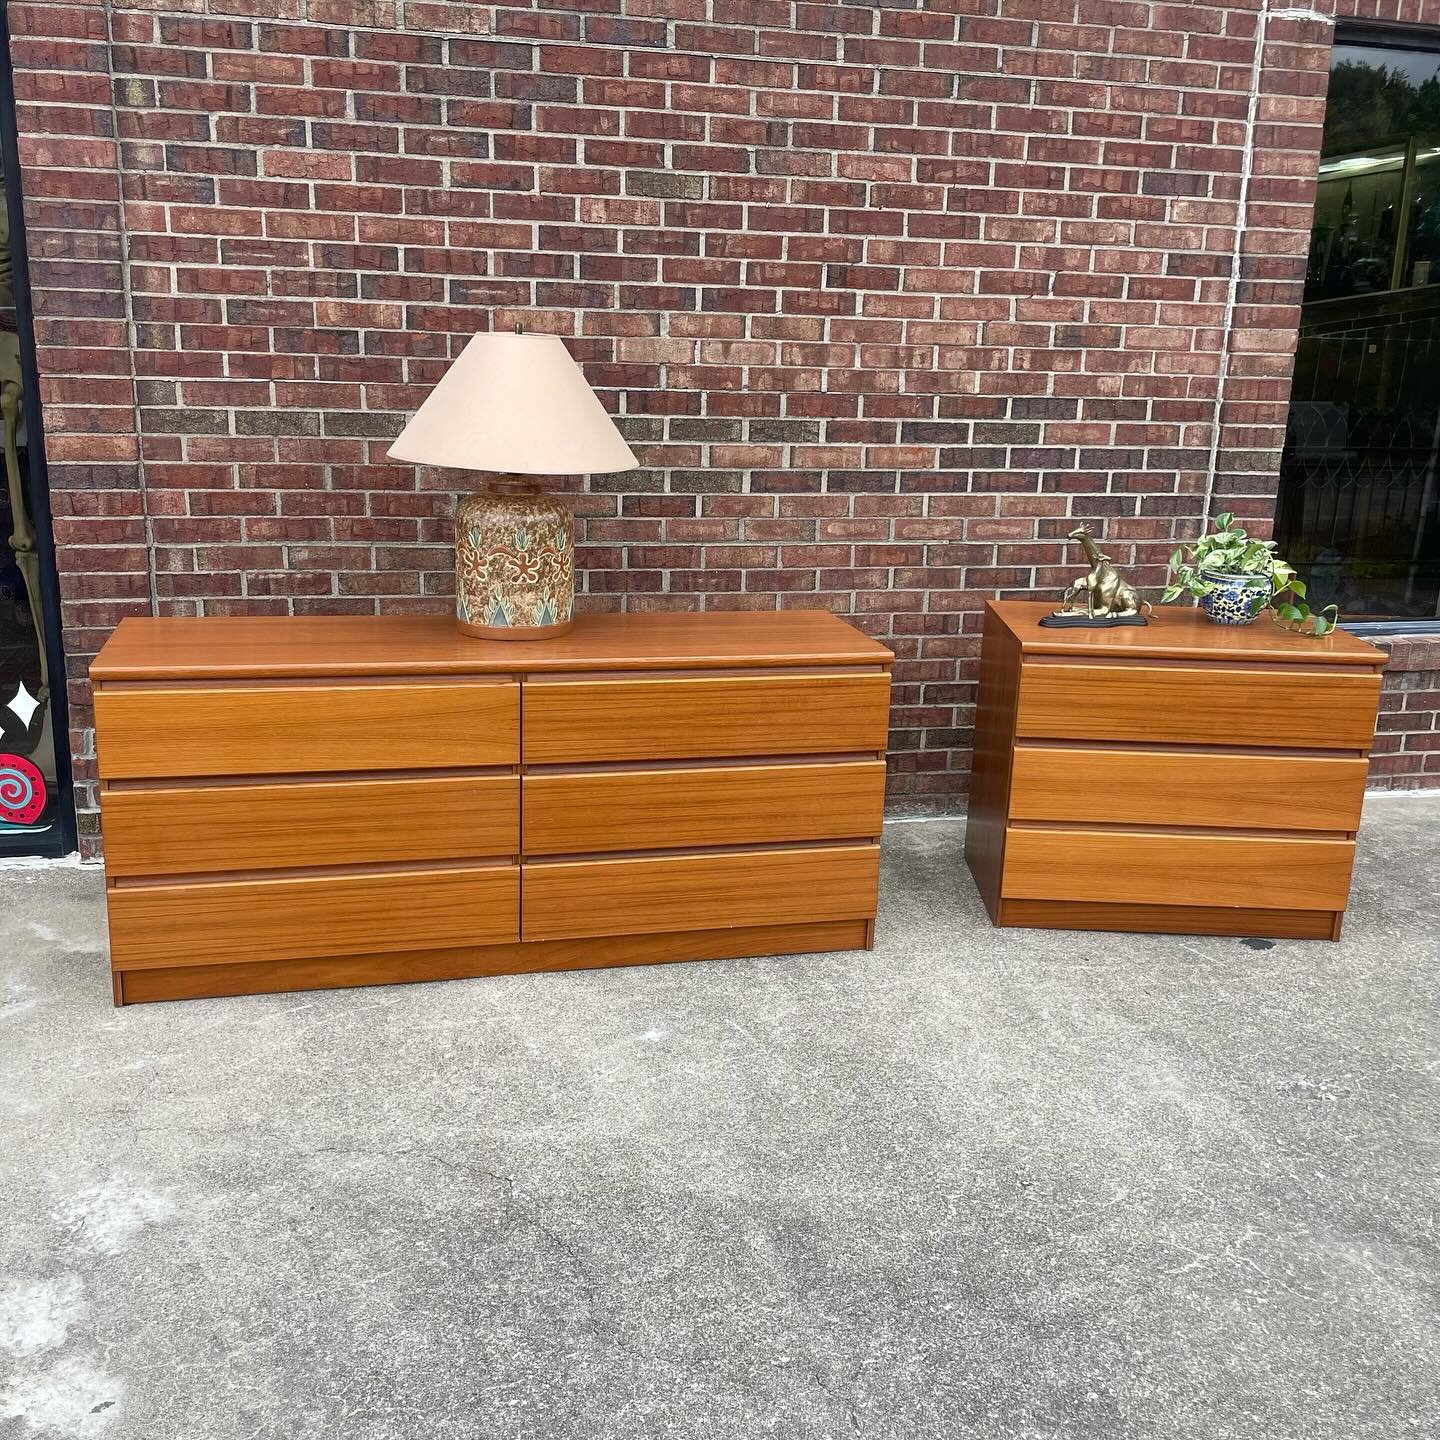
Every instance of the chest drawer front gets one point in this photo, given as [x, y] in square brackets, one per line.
[658, 718]
[1268, 873]
[191, 829]
[1199, 706]
[1176, 787]
[679, 807]
[699, 892]
[297, 729]
[312, 915]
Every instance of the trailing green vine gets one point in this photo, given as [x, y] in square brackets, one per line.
[1229, 550]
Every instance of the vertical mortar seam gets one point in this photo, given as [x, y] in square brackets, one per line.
[1242, 210]
[128, 297]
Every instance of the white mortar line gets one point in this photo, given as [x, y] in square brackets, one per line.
[128, 292]
[1242, 214]
[72, 861]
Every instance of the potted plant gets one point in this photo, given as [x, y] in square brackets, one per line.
[1235, 576]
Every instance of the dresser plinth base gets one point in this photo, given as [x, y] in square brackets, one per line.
[190, 982]
[1171, 919]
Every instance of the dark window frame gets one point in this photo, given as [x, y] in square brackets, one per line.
[63, 840]
[1380, 35]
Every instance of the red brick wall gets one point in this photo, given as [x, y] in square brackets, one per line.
[886, 298]
[1407, 743]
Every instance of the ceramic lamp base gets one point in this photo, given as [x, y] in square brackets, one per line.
[514, 563]
[514, 632]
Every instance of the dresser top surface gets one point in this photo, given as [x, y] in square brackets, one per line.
[1181, 633]
[289, 647]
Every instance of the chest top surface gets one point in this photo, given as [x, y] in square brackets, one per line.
[291, 647]
[1181, 633]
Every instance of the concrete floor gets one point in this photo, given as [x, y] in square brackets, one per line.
[976, 1184]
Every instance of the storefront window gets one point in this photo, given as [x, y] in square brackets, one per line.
[35, 814]
[1359, 509]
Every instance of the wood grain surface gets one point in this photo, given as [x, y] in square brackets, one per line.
[1130, 867]
[659, 718]
[990, 776]
[401, 967]
[1203, 705]
[1182, 787]
[1181, 632]
[336, 914]
[565, 899]
[1172, 919]
[689, 807]
[265, 647]
[178, 830]
[300, 729]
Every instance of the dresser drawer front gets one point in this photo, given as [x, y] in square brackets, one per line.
[192, 829]
[699, 892]
[1176, 787]
[1150, 868]
[145, 733]
[312, 915]
[1211, 705]
[659, 718]
[678, 808]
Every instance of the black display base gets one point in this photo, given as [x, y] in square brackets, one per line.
[1086, 622]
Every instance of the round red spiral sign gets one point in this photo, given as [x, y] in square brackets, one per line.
[22, 791]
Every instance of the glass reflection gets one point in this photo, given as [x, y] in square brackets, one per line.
[1357, 509]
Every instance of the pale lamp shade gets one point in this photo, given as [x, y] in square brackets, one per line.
[517, 405]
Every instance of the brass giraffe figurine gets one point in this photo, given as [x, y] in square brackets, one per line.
[1107, 594]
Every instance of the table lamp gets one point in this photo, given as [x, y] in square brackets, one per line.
[517, 405]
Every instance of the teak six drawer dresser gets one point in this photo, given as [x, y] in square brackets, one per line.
[300, 803]
[1181, 777]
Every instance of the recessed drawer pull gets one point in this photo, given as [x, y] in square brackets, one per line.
[699, 892]
[1174, 787]
[280, 729]
[680, 808]
[186, 829]
[1218, 870]
[285, 919]
[658, 718]
[1197, 706]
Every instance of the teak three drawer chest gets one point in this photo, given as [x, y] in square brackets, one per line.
[1180, 776]
[299, 803]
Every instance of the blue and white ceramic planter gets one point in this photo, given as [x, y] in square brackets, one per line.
[1234, 599]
